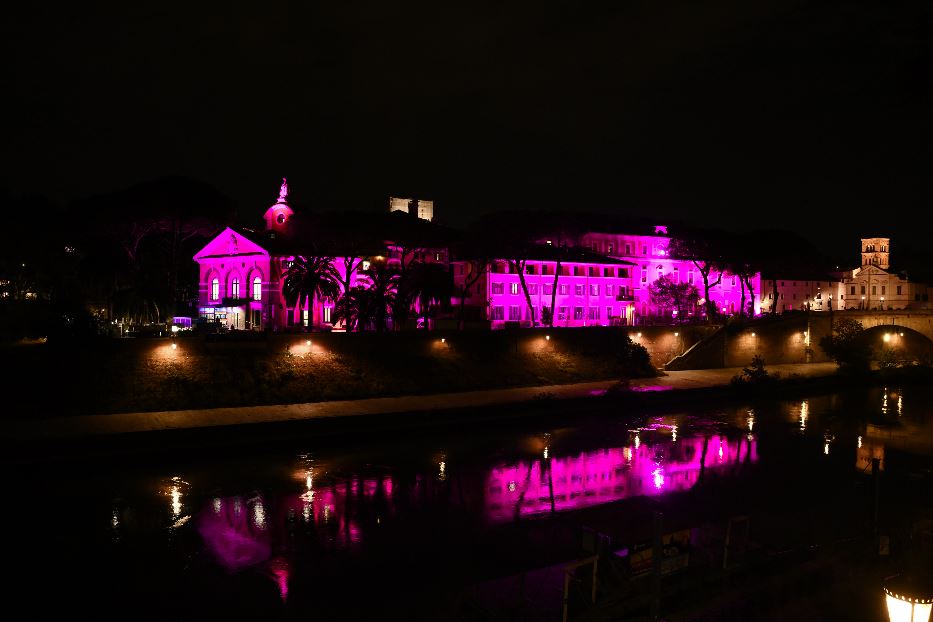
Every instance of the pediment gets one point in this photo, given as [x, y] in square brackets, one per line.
[230, 243]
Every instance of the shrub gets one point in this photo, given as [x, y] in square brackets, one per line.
[847, 345]
[755, 374]
[634, 360]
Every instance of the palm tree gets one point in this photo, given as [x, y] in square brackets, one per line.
[371, 303]
[308, 278]
[428, 284]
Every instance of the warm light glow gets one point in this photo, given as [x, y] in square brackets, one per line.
[753, 334]
[887, 337]
[638, 335]
[174, 346]
[175, 328]
[308, 343]
[547, 337]
[443, 340]
[907, 606]
[804, 413]
[677, 334]
[860, 442]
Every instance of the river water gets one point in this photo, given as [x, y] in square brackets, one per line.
[413, 525]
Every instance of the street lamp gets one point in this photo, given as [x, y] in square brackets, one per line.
[907, 601]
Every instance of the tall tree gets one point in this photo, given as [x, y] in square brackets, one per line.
[308, 279]
[667, 294]
[706, 251]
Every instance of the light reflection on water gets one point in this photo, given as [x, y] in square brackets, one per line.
[304, 505]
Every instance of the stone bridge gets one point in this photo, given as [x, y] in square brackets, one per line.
[919, 322]
[795, 338]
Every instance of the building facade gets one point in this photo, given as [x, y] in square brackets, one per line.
[651, 259]
[873, 285]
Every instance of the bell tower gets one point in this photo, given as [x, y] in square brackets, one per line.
[278, 216]
[876, 252]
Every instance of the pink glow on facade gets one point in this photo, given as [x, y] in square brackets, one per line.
[241, 281]
[606, 475]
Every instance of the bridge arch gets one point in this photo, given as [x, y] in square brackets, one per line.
[901, 341]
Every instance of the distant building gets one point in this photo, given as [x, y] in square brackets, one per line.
[874, 284]
[419, 207]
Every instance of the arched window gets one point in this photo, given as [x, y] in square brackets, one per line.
[235, 287]
[215, 288]
[257, 288]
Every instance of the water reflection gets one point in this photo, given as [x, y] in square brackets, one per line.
[804, 413]
[605, 475]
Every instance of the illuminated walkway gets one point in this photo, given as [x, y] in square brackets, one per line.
[125, 423]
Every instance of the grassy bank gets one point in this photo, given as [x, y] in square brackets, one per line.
[141, 375]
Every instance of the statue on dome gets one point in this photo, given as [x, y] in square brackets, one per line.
[283, 191]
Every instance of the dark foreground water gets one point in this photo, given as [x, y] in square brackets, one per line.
[438, 524]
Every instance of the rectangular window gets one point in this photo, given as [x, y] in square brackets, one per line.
[644, 274]
[644, 250]
[594, 289]
[532, 288]
[874, 290]
[578, 289]
[547, 288]
[578, 313]
[733, 281]
[530, 269]
[863, 290]
[594, 313]
[515, 312]
[304, 317]
[513, 288]
[257, 289]
[676, 276]
[608, 313]
[898, 290]
[609, 249]
[328, 313]
[498, 313]
[215, 289]
[882, 290]
[562, 313]
[496, 289]
[853, 290]
[623, 273]
[628, 249]
[609, 289]
[563, 289]
[690, 277]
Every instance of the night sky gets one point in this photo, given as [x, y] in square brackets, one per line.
[811, 115]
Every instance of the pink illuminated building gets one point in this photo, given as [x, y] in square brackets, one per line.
[241, 273]
[603, 278]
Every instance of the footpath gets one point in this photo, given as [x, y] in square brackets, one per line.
[76, 427]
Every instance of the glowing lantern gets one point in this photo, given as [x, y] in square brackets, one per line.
[547, 337]
[174, 346]
[907, 601]
[308, 343]
[887, 337]
[443, 340]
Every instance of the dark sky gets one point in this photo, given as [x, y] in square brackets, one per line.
[814, 115]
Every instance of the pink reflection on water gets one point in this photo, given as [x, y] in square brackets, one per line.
[606, 475]
[232, 536]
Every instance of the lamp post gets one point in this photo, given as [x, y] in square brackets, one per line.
[907, 600]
